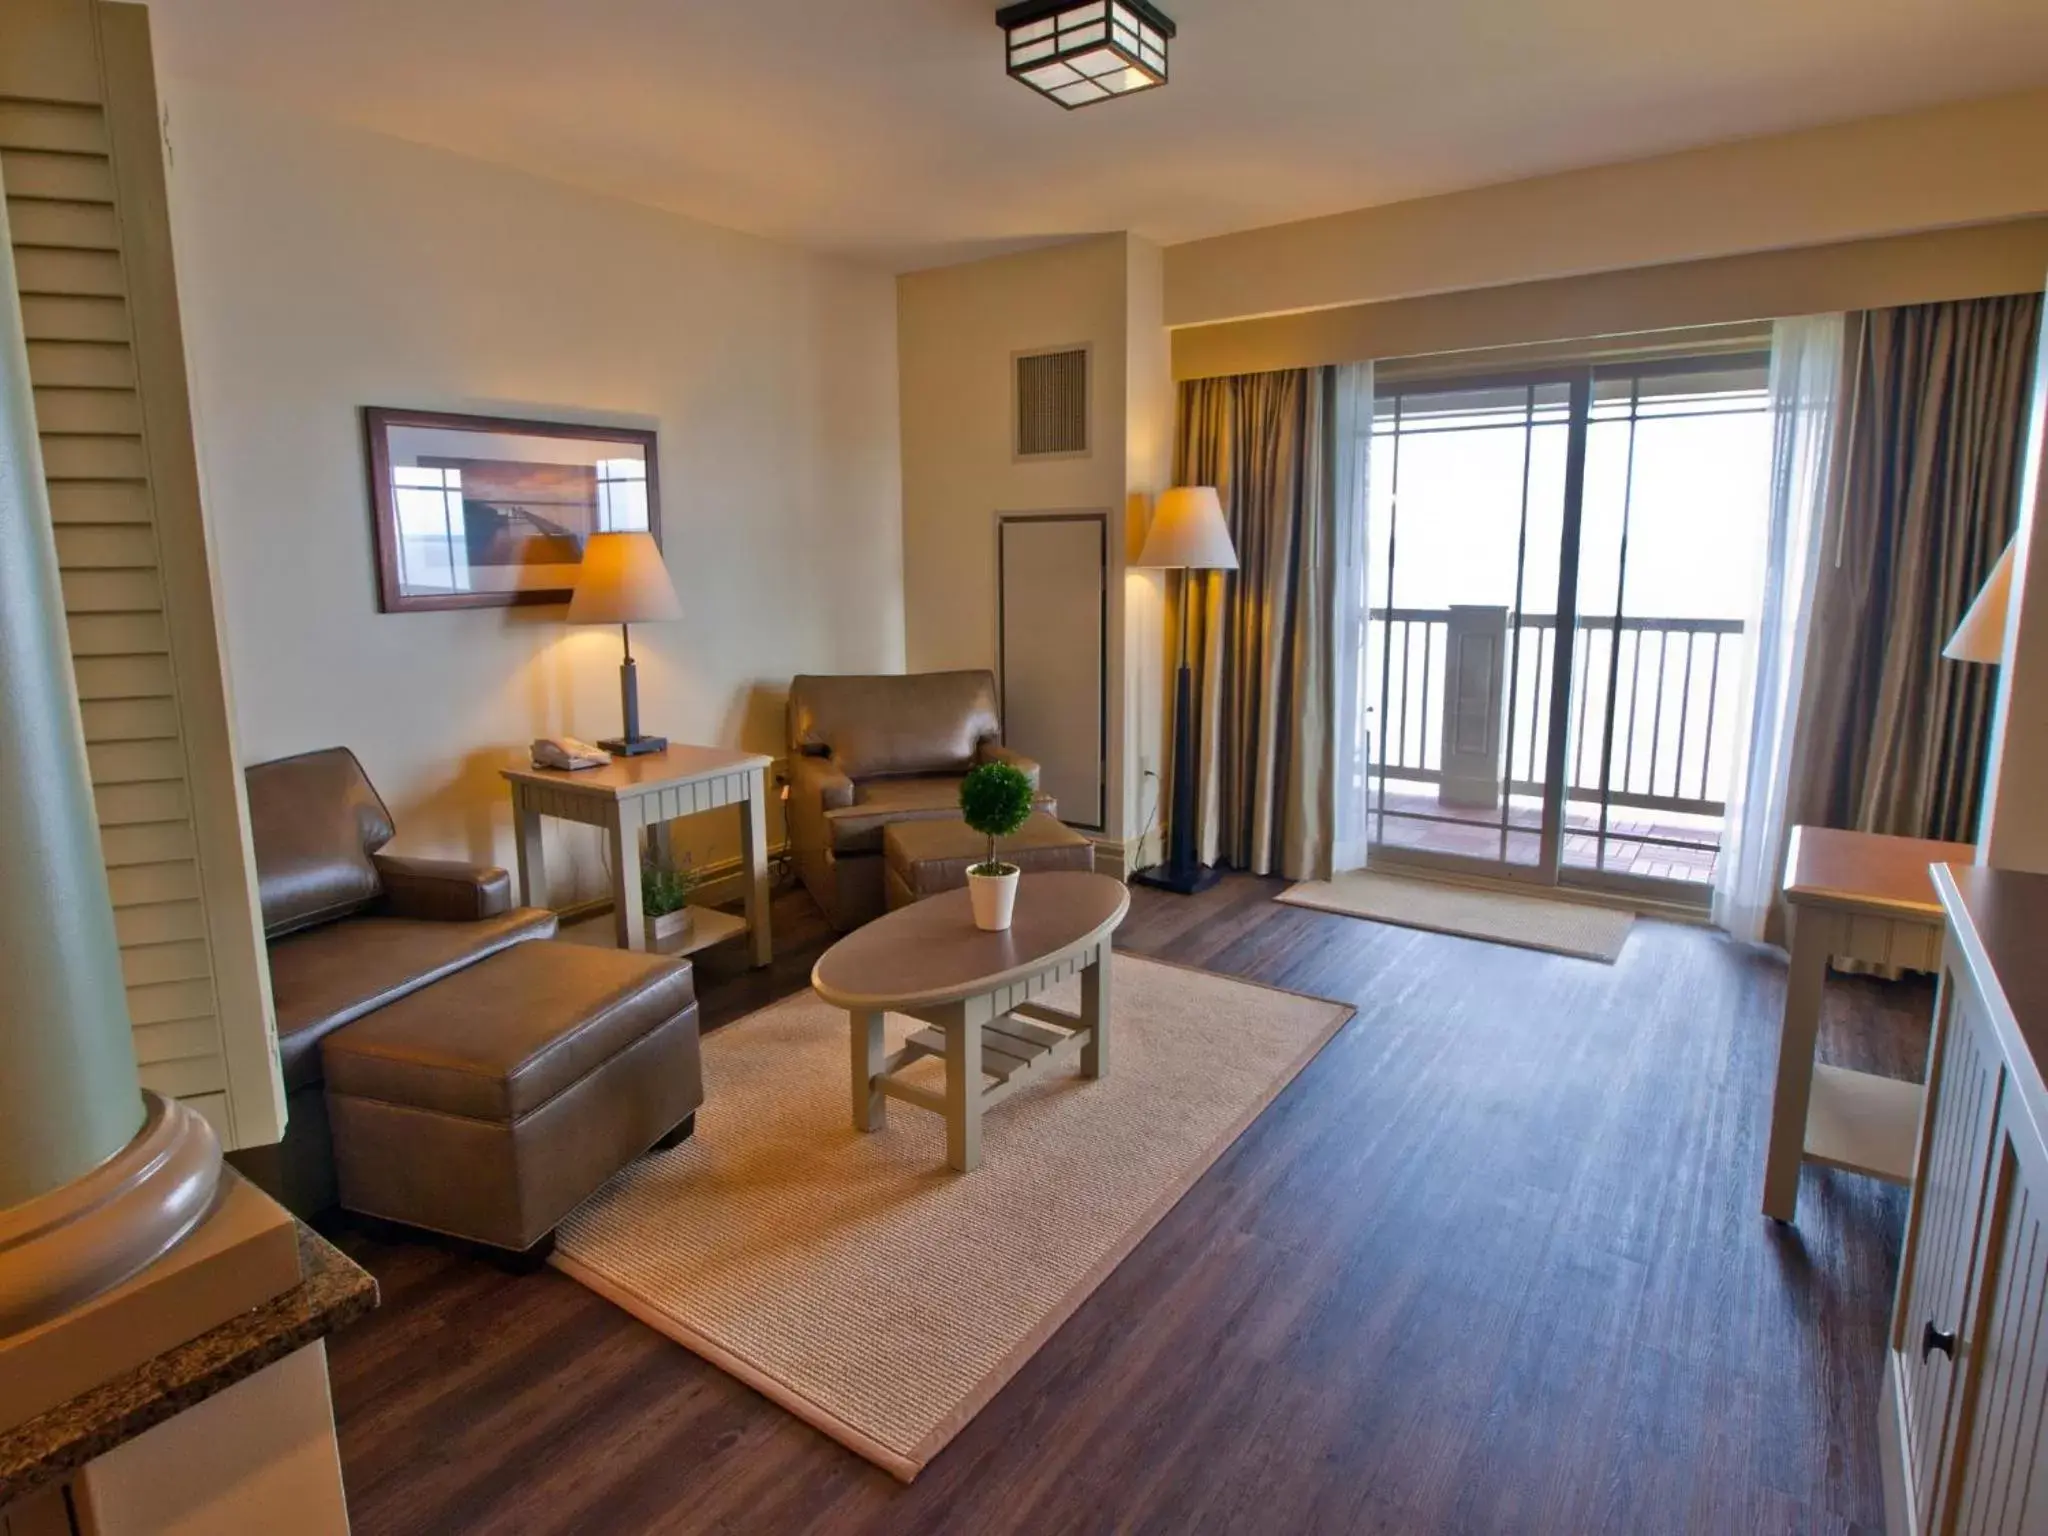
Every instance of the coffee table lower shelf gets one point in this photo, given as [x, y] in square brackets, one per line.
[1018, 1047]
[1015, 1050]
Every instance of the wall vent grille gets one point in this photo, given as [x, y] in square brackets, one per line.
[1052, 403]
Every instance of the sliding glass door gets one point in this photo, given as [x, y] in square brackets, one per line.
[1561, 568]
[1473, 517]
[1673, 525]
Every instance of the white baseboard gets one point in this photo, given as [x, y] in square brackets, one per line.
[725, 880]
[1122, 858]
[718, 883]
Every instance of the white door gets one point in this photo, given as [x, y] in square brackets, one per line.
[1053, 650]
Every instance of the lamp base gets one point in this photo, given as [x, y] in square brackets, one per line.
[1182, 882]
[1182, 871]
[634, 746]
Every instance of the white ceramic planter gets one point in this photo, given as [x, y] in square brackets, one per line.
[669, 928]
[994, 897]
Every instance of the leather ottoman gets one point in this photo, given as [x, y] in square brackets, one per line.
[491, 1103]
[923, 858]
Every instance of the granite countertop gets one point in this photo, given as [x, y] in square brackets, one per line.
[334, 1292]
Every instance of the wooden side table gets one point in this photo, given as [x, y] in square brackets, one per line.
[630, 794]
[976, 990]
[1862, 896]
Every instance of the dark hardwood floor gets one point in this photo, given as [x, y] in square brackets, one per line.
[1492, 1263]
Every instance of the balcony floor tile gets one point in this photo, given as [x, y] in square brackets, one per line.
[1581, 843]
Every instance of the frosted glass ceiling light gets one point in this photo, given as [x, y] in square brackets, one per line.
[1079, 52]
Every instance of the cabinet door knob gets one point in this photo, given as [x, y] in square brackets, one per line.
[1932, 1338]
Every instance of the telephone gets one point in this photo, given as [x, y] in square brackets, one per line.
[567, 752]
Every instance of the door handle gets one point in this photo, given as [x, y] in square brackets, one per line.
[1932, 1338]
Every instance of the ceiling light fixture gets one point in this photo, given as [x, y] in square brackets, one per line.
[1079, 52]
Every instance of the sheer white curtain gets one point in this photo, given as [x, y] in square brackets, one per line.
[1352, 436]
[1806, 378]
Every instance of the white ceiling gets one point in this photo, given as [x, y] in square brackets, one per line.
[887, 129]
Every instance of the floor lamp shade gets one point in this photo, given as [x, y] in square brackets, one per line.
[1188, 531]
[1981, 635]
[624, 581]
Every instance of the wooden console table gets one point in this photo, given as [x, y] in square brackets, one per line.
[1862, 896]
[630, 794]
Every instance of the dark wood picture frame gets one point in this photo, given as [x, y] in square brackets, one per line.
[377, 424]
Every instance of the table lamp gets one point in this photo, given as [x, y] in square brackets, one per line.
[624, 581]
[1981, 635]
[1187, 533]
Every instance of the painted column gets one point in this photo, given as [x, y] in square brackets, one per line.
[69, 1099]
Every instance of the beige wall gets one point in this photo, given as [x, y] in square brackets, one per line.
[1149, 419]
[959, 329]
[324, 269]
[1966, 163]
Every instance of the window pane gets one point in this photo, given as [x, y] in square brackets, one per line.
[1467, 521]
[1740, 386]
[1049, 76]
[1670, 558]
[621, 496]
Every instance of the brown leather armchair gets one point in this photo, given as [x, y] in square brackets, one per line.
[868, 751]
[349, 930]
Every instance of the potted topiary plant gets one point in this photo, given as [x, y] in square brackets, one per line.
[665, 901]
[995, 799]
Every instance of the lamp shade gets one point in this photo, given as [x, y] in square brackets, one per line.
[623, 580]
[1981, 635]
[1188, 530]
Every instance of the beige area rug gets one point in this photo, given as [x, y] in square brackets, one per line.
[860, 1283]
[1499, 917]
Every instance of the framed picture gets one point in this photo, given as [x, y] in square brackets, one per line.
[488, 512]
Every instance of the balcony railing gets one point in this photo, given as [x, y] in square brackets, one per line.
[1672, 686]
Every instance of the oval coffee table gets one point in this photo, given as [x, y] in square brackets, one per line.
[975, 990]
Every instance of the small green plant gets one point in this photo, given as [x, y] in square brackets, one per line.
[995, 799]
[665, 888]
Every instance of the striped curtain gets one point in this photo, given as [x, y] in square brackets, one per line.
[1262, 648]
[1893, 737]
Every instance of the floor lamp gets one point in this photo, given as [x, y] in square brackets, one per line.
[1188, 534]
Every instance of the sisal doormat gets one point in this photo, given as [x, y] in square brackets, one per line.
[860, 1283]
[1499, 917]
